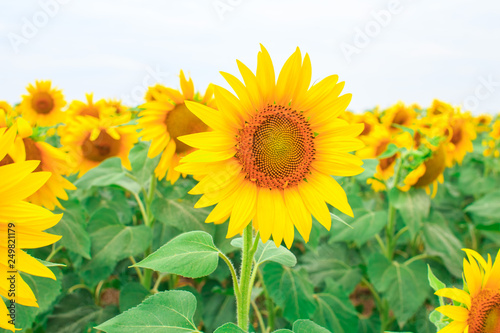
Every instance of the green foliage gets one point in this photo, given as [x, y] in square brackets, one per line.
[269, 252]
[169, 311]
[192, 254]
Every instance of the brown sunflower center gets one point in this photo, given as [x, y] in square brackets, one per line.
[400, 117]
[457, 134]
[367, 129]
[101, 148]
[276, 147]
[434, 166]
[90, 110]
[42, 102]
[484, 314]
[180, 121]
[32, 153]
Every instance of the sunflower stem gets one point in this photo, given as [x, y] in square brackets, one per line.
[243, 303]
[391, 223]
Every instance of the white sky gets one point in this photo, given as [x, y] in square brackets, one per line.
[445, 49]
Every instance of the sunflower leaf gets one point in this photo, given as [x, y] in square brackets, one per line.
[229, 328]
[291, 290]
[308, 326]
[191, 254]
[169, 311]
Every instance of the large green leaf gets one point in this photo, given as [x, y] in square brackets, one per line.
[404, 285]
[269, 252]
[76, 312]
[72, 228]
[111, 242]
[440, 241]
[413, 206]
[362, 228]
[487, 206]
[291, 290]
[109, 172]
[332, 261]
[192, 254]
[335, 310]
[169, 311]
[112, 198]
[142, 166]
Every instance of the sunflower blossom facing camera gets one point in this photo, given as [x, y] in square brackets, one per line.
[273, 149]
[479, 311]
[89, 141]
[165, 118]
[43, 105]
[17, 182]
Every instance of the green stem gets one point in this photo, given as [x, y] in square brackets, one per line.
[233, 274]
[391, 222]
[243, 304]
[53, 252]
[149, 222]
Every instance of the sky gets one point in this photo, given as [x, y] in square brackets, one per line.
[385, 51]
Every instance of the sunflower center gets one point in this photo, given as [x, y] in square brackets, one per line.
[42, 102]
[400, 117]
[457, 135]
[434, 166]
[32, 153]
[276, 147]
[101, 148]
[180, 121]
[484, 314]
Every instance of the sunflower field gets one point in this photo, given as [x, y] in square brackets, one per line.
[269, 208]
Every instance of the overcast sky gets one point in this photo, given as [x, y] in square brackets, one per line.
[409, 50]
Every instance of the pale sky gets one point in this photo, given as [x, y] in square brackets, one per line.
[385, 51]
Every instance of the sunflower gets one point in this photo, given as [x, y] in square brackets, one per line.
[479, 311]
[51, 159]
[17, 182]
[460, 133]
[96, 110]
[272, 150]
[439, 108]
[165, 117]
[482, 123]
[492, 145]
[157, 89]
[90, 140]
[6, 110]
[399, 114]
[428, 173]
[43, 105]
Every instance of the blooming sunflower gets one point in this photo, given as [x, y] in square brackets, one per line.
[51, 159]
[480, 309]
[428, 173]
[6, 110]
[482, 123]
[461, 133]
[90, 140]
[272, 150]
[43, 105]
[17, 182]
[165, 117]
[79, 108]
[157, 89]
[439, 108]
[399, 114]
